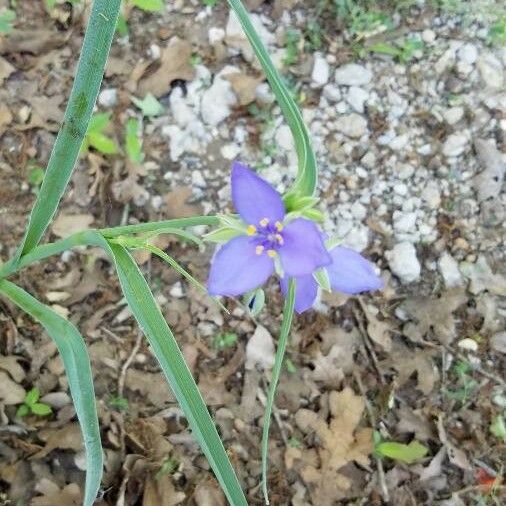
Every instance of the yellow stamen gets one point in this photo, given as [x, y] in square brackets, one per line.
[272, 253]
[279, 238]
[259, 249]
[279, 226]
[251, 230]
[264, 222]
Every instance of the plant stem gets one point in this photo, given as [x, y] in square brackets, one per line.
[276, 373]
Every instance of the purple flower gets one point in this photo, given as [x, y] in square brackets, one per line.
[294, 248]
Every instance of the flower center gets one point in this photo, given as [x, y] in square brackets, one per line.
[267, 236]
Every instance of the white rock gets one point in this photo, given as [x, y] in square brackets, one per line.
[431, 195]
[468, 344]
[400, 189]
[357, 239]
[356, 97]
[358, 211]
[399, 142]
[218, 99]
[404, 222]
[491, 70]
[352, 125]
[260, 349]
[215, 35]
[405, 171]
[455, 144]
[108, 97]
[353, 74]
[230, 151]
[449, 269]
[284, 138]
[468, 53]
[198, 179]
[403, 262]
[428, 36]
[177, 290]
[264, 95]
[453, 115]
[498, 342]
[332, 93]
[321, 71]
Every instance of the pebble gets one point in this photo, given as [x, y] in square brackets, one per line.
[353, 74]
[404, 222]
[352, 125]
[321, 71]
[215, 35]
[468, 53]
[491, 70]
[177, 290]
[468, 344]
[455, 144]
[358, 211]
[217, 100]
[403, 262]
[498, 342]
[108, 97]
[449, 269]
[453, 115]
[357, 97]
[428, 36]
[332, 93]
[431, 195]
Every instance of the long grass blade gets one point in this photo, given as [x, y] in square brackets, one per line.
[76, 361]
[168, 354]
[306, 181]
[276, 372]
[90, 70]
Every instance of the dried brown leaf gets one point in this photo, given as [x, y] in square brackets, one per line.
[66, 224]
[52, 494]
[10, 391]
[174, 64]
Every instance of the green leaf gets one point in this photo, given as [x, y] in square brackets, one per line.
[41, 409]
[36, 176]
[99, 122]
[90, 69]
[102, 143]
[276, 373]
[305, 183]
[22, 411]
[498, 427]
[322, 278]
[399, 451]
[149, 5]
[32, 396]
[133, 143]
[7, 16]
[168, 354]
[225, 340]
[149, 105]
[122, 26]
[76, 361]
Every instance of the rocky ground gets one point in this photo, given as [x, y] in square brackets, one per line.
[405, 105]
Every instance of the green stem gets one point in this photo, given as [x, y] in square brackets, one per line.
[82, 239]
[276, 372]
[90, 70]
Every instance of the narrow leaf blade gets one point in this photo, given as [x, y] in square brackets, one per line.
[76, 361]
[166, 350]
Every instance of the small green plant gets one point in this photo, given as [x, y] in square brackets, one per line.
[407, 453]
[465, 383]
[292, 39]
[497, 32]
[225, 340]
[149, 105]
[7, 17]
[31, 405]
[35, 175]
[403, 51]
[210, 3]
[498, 427]
[133, 141]
[169, 466]
[96, 138]
[117, 403]
[149, 5]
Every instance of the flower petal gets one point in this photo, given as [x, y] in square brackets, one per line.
[351, 273]
[303, 250]
[236, 268]
[306, 289]
[254, 198]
